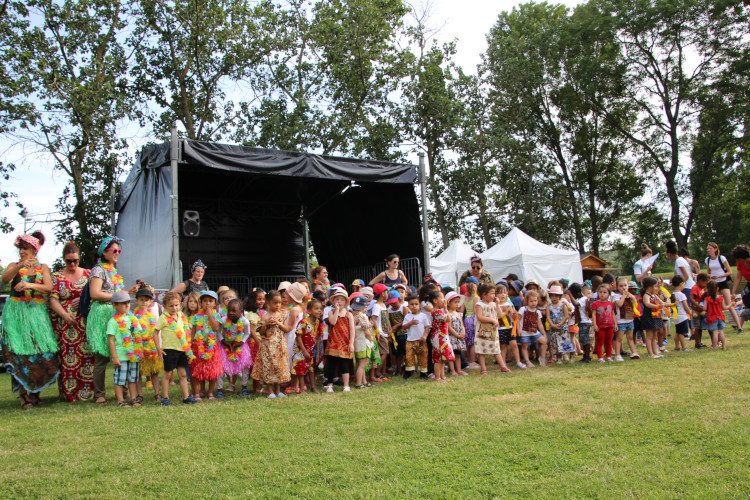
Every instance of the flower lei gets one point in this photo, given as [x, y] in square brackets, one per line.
[204, 349]
[133, 344]
[31, 296]
[114, 276]
[326, 283]
[148, 323]
[234, 335]
[182, 336]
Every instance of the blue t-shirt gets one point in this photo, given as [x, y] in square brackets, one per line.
[517, 301]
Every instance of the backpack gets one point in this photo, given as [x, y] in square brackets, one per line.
[722, 260]
[84, 303]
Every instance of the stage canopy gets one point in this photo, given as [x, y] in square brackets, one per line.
[252, 206]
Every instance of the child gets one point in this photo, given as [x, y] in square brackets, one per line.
[151, 366]
[651, 321]
[381, 326]
[456, 330]
[272, 365]
[715, 308]
[486, 339]
[470, 298]
[417, 328]
[363, 340]
[557, 317]
[296, 293]
[308, 333]
[191, 304]
[254, 310]
[224, 298]
[441, 346]
[696, 305]
[584, 324]
[603, 322]
[206, 366]
[398, 338]
[172, 332]
[532, 328]
[340, 345]
[234, 351]
[682, 322]
[625, 302]
[125, 347]
[506, 332]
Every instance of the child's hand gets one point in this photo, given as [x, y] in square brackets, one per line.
[116, 362]
[496, 323]
[306, 354]
[133, 290]
[161, 355]
[424, 338]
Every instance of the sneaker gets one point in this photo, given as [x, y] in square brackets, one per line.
[619, 358]
[347, 388]
[521, 366]
[635, 356]
[529, 364]
[329, 388]
[281, 395]
[272, 396]
[624, 354]
[408, 374]
[610, 360]
[687, 349]
[423, 376]
[165, 402]
[601, 360]
[473, 366]
[190, 400]
[559, 361]
[219, 394]
[661, 348]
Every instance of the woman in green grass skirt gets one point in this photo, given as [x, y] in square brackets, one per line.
[29, 345]
[104, 280]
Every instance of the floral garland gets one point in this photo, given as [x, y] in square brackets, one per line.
[133, 344]
[31, 296]
[326, 283]
[179, 331]
[114, 276]
[204, 348]
[148, 323]
[234, 335]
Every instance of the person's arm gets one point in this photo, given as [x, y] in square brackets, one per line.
[180, 288]
[300, 344]
[451, 331]
[593, 319]
[566, 316]
[212, 323]
[113, 352]
[694, 304]
[95, 290]
[549, 318]
[291, 319]
[647, 302]
[60, 310]
[685, 272]
[410, 323]
[621, 300]
[737, 280]
[254, 335]
[404, 281]
[426, 333]
[157, 340]
[461, 333]
[351, 331]
[378, 279]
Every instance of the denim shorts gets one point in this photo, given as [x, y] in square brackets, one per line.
[623, 327]
[128, 371]
[528, 339]
[719, 324]
[584, 333]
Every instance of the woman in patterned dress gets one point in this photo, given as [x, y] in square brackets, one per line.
[76, 382]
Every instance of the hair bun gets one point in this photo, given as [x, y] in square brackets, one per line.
[38, 235]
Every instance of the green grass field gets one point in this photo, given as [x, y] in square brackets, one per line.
[670, 428]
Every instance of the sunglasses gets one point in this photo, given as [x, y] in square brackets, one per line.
[115, 250]
[72, 261]
[476, 267]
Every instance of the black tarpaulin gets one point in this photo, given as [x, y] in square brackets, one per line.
[251, 204]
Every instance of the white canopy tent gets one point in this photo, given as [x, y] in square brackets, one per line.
[450, 265]
[520, 254]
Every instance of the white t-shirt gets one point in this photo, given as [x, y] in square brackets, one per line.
[377, 309]
[245, 333]
[680, 300]
[682, 263]
[415, 332]
[716, 267]
[638, 267]
[326, 312]
[529, 326]
[582, 310]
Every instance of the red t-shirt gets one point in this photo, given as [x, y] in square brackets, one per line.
[605, 313]
[745, 270]
[713, 309]
[697, 293]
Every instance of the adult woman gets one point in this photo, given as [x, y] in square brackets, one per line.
[76, 362]
[319, 275]
[640, 269]
[718, 268]
[681, 267]
[695, 266]
[104, 280]
[477, 270]
[392, 276]
[28, 342]
[195, 283]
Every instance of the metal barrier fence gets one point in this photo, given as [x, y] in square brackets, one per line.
[271, 282]
[240, 284]
[412, 268]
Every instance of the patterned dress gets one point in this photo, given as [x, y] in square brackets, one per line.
[272, 365]
[486, 338]
[456, 343]
[309, 330]
[441, 345]
[559, 338]
[76, 382]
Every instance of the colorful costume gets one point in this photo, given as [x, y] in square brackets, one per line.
[76, 381]
[486, 340]
[235, 361]
[150, 364]
[207, 363]
[272, 365]
[101, 312]
[309, 330]
[441, 344]
[456, 343]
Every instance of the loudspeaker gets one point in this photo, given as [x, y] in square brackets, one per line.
[191, 223]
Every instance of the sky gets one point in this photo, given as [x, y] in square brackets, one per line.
[39, 188]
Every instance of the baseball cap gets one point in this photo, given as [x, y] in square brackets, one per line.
[359, 303]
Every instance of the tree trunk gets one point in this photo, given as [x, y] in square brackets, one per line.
[435, 190]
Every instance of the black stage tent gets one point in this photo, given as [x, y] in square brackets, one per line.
[253, 206]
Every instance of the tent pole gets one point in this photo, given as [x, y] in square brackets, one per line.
[306, 239]
[425, 227]
[173, 158]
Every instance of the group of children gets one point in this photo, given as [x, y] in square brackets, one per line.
[276, 340]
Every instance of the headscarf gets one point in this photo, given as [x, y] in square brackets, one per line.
[197, 263]
[106, 242]
[31, 240]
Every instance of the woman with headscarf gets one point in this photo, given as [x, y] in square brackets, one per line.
[477, 270]
[29, 345]
[195, 283]
[103, 282]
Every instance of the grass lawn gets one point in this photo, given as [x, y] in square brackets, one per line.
[670, 428]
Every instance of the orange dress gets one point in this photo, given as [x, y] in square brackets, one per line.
[272, 364]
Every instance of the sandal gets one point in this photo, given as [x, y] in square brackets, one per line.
[483, 372]
[123, 404]
[101, 402]
[315, 390]
[211, 396]
[138, 399]
[244, 392]
[231, 388]
[157, 397]
[35, 399]
[136, 404]
[25, 401]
